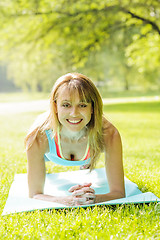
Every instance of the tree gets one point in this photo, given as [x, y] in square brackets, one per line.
[53, 29]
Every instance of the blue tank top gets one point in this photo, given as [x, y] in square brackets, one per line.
[53, 157]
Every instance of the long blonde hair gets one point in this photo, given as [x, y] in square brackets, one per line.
[87, 92]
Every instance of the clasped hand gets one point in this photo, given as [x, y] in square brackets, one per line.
[82, 194]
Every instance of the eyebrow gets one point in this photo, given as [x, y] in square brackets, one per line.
[66, 100]
[69, 100]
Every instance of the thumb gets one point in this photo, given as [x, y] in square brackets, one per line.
[76, 187]
[86, 184]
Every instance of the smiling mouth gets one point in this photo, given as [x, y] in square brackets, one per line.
[74, 121]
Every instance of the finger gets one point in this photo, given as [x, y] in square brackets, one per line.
[89, 196]
[90, 202]
[78, 193]
[77, 187]
[73, 188]
[88, 189]
[86, 184]
[80, 201]
[82, 192]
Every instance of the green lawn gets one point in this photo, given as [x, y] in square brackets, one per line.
[138, 124]
[22, 96]
[28, 96]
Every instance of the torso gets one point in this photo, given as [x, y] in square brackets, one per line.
[73, 150]
[76, 149]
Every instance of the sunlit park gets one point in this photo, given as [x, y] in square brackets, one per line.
[117, 45]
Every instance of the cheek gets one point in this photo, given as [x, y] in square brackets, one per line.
[59, 110]
[61, 113]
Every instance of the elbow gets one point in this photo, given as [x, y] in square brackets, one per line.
[119, 194]
[31, 195]
[122, 194]
[35, 195]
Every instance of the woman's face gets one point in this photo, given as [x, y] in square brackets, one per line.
[73, 113]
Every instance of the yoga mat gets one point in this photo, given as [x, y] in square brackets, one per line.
[57, 184]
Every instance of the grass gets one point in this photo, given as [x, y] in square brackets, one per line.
[22, 96]
[105, 93]
[138, 124]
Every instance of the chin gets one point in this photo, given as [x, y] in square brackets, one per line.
[75, 130]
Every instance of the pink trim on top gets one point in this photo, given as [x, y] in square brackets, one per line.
[58, 150]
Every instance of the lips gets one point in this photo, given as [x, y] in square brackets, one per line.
[74, 121]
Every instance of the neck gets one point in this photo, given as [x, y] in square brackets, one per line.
[70, 135]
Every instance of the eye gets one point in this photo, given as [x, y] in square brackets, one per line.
[66, 105]
[83, 105]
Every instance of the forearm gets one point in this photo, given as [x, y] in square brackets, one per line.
[67, 200]
[108, 196]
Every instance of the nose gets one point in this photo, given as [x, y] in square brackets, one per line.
[74, 112]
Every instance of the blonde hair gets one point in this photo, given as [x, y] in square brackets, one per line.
[87, 92]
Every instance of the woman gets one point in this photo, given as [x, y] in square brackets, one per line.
[74, 133]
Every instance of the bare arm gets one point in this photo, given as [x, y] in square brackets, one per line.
[37, 172]
[36, 167]
[113, 164]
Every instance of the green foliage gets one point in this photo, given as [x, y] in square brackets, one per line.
[41, 40]
[143, 51]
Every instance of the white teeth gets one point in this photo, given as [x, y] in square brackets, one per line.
[74, 121]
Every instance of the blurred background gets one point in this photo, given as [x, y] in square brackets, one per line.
[114, 42]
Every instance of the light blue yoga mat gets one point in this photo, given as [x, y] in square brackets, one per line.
[57, 184]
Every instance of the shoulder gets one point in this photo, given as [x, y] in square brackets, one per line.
[39, 143]
[110, 132]
[36, 132]
[35, 153]
[42, 140]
